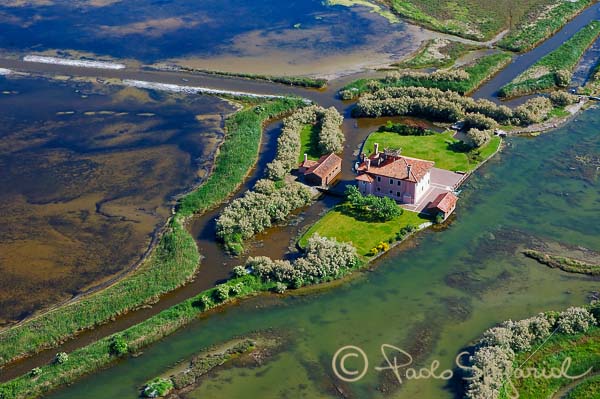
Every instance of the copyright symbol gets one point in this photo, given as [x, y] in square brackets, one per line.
[339, 360]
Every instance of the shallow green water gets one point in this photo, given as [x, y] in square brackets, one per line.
[430, 300]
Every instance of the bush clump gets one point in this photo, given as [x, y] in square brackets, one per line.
[478, 138]
[258, 210]
[562, 98]
[118, 346]
[371, 206]
[324, 259]
[158, 387]
[492, 362]
[61, 358]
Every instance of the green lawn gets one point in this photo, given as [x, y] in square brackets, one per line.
[363, 235]
[435, 148]
[309, 139]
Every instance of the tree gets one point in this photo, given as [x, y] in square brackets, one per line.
[478, 137]
[384, 208]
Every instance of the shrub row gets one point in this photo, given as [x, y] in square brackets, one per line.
[492, 362]
[448, 106]
[463, 80]
[257, 210]
[324, 259]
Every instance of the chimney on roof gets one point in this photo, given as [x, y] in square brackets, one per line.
[408, 168]
[305, 157]
[368, 163]
[376, 148]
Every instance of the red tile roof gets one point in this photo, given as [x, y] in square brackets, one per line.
[324, 165]
[365, 177]
[397, 167]
[309, 163]
[445, 202]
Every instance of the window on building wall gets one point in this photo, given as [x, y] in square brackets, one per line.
[378, 189]
[378, 178]
[397, 193]
[391, 181]
[398, 182]
[391, 192]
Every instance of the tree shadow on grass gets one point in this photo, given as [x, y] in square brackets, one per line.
[458, 147]
[358, 214]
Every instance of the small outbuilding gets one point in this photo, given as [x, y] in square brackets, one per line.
[321, 172]
[444, 204]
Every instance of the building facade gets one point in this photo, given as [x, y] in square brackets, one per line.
[321, 172]
[389, 174]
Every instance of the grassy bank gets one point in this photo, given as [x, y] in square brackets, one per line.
[99, 354]
[173, 261]
[583, 349]
[237, 155]
[564, 263]
[343, 225]
[542, 23]
[554, 69]
[437, 53]
[473, 19]
[442, 148]
[479, 71]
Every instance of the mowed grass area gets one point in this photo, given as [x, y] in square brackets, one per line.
[583, 349]
[364, 235]
[543, 74]
[474, 19]
[441, 148]
[309, 139]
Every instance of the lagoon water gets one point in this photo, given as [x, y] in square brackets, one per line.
[88, 172]
[431, 298]
[263, 36]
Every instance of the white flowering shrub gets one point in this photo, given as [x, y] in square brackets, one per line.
[447, 106]
[331, 137]
[479, 121]
[490, 367]
[495, 353]
[478, 138]
[258, 210]
[324, 259]
[534, 110]
[575, 320]
[561, 98]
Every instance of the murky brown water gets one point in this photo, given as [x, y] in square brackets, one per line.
[88, 174]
